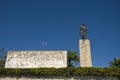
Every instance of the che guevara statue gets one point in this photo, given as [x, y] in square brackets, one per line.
[83, 31]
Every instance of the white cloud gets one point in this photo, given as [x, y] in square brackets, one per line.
[44, 43]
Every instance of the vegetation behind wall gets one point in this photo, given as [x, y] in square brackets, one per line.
[65, 72]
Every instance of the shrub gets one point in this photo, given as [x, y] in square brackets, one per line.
[60, 72]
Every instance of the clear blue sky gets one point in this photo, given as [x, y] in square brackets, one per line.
[54, 25]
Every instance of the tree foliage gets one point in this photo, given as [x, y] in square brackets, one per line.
[115, 63]
[2, 57]
[72, 58]
[2, 63]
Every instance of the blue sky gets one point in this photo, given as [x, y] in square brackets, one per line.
[54, 25]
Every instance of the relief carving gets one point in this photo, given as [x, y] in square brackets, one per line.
[30, 59]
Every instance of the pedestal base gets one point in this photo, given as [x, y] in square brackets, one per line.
[85, 53]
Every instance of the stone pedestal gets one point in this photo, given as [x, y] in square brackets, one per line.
[85, 53]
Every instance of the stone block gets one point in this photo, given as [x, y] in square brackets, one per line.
[36, 59]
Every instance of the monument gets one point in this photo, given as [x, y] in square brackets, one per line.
[84, 48]
[36, 59]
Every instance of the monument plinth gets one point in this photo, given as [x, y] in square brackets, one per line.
[85, 53]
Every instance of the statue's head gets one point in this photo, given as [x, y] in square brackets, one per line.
[83, 26]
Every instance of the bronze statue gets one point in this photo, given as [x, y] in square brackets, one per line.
[83, 31]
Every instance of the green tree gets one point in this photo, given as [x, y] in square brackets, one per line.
[2, 57]
[115, 63]
[2, 63]
[72, 58]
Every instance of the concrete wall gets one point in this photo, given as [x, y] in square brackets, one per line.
[36, 59]
[61, 78]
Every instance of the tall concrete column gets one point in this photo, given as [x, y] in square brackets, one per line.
[85, 53]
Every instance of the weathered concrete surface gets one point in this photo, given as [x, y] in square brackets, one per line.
[36, 59]
[62, 78]
[85, 53]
